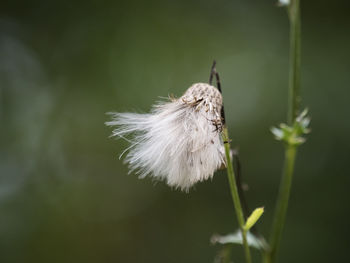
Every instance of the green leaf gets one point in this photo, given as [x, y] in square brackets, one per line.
[253, 218]
[236, 238]
[293, 135]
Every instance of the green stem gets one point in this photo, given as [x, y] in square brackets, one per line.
[291, 150]
[294, 55]
[235, 196]
[282, 204]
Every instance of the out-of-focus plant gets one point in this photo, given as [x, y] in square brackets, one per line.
[292, 135]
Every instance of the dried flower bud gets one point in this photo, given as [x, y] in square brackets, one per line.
[179, 141]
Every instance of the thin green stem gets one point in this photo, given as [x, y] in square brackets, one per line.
[282, 204]
[291, 150]
[235, 196]
[294, 55]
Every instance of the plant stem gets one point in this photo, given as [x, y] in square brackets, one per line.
[291, 150]
[282, 204]
[234, 193]
[294, 55]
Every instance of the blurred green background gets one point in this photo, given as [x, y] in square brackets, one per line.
[65, 196]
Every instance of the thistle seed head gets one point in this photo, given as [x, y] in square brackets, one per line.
[179, 141]
[203, 94]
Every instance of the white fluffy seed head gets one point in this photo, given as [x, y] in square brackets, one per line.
[179, 141]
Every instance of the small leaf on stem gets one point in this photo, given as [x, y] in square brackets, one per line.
[293, 135]
[236, 238]
[283, 2]
[253, 218]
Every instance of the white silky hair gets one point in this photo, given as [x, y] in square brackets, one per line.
[179, 141]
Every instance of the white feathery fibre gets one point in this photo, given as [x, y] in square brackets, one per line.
[179, 141]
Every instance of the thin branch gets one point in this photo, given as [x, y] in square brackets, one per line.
[231, 174]
[291, 150]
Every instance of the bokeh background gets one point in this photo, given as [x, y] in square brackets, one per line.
[65, 196]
